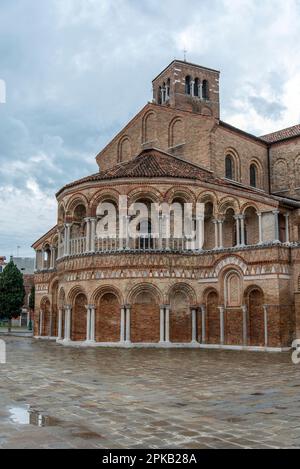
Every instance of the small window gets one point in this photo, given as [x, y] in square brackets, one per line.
[229, 174]
[253, 175]
[205, 93]
[188, 85]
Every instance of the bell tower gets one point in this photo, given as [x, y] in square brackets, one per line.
[188, 87]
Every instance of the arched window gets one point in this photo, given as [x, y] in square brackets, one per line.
[188, 85]
[229, 167]
[159, 95]
[253, 175]
[168, 89]
[205, 93]
[196, 87]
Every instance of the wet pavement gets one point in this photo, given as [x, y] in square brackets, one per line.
[58, 397]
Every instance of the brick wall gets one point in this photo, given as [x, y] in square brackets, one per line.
[108, 319]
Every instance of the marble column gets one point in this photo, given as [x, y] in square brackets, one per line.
[287, 231]
[127, 333]
[242, 222]
[67, 323]
[88, 235]
[68, 239]
[192, 87]
[122, 324]
[92, 323]
[93, 234]
[260, 228]
[88, 324]
[276, 226]
[237, 220]
[59, 326]
[215, 222]
[167, 323]
[162, 323]
[199, 232]
[194, 324]
[220, 222]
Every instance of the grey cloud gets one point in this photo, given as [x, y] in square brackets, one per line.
[269, 109]
[78, 70]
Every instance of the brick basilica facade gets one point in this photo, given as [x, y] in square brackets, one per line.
[240, 290]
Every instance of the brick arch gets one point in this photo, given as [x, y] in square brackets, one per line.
[78, 316]
[226, 203]
[74, 292]
[145, 300]
[227, 262]
[145, 192]
[75, 200]
[124, 149]
[108, 301]
[100, 196]
[176, 133]
[103, 289]
[181, 192]
[183, 287]
[181, 298]
[208, 196]
[149, 127]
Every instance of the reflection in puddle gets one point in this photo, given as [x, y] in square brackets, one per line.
[27, 416]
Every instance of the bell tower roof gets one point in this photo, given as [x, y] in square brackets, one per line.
[189, 87]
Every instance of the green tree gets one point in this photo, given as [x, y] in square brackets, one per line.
[12, 293]
[31, 305]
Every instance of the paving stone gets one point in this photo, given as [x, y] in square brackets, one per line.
[61, 397]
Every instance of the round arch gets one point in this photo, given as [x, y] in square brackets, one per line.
[145, 300]
[102, 196]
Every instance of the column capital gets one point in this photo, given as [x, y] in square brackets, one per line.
[221, 308]
[286, 214]
[276, 212]
[244, 308]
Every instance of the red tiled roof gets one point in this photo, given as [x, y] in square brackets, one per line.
[282, 134]
[149, 163]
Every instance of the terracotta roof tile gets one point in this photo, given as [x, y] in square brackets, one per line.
[153, 163]
[150, 163]
[282, 134]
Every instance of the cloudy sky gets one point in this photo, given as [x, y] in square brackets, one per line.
[77, 70]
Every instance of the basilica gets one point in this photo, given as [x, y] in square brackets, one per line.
[240, 289]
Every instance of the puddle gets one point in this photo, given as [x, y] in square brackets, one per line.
[24, 415]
